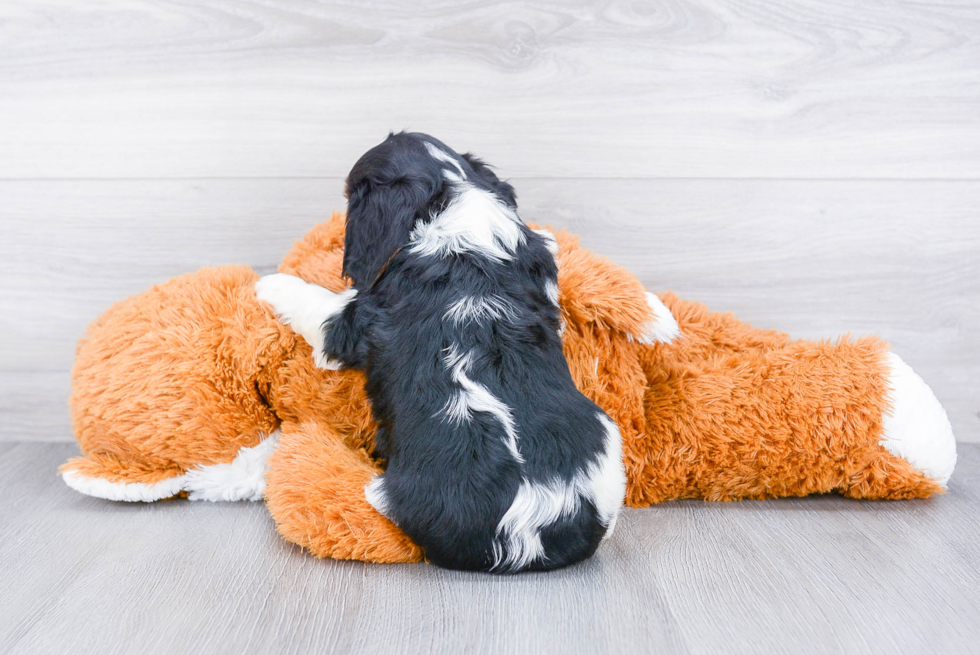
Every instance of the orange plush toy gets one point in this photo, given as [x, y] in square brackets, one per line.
[194, 388]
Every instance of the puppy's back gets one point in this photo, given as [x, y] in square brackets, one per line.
[496, 461]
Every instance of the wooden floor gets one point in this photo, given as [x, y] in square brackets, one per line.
[815, 575]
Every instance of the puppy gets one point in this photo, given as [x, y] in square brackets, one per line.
[495, 461]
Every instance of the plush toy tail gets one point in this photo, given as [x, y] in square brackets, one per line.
[915, 426]
[104, 475]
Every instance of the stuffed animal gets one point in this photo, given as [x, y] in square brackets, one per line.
[194, 388]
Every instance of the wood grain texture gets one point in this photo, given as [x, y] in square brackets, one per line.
[814, 258]
[591, 88]
[816, 575]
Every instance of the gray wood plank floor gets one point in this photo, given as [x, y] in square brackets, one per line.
[815, 575]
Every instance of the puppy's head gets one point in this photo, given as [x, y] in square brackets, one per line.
[396, 184]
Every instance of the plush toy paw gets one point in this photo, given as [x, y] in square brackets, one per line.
[305, 307]
[106, 476]
[662, 328]
[916, 427]
[240, 479]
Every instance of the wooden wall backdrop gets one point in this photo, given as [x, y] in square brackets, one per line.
[812, 166]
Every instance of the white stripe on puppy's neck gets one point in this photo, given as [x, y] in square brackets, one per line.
[475, 221]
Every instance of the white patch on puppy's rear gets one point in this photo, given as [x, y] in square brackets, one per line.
[535, 506]
[475, 221]
[474, 397]
[540, 504]
[916, 428]
[607, 477]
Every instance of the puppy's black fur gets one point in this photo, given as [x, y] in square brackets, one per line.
[442, 389]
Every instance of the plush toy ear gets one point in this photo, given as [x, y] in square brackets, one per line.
[592, 289]
[318, 256]
[380, 217]
[485, 173]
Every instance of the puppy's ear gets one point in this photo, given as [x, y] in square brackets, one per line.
[485, 173]
[380, 217]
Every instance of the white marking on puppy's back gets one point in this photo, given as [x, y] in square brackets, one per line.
[374, 492]
[438, 153]
[474, 397]
[539, 504]
[475, 308]
[551, 243]
[475, 221]
[551, 290]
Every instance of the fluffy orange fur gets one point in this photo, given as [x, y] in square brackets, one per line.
[189, 372]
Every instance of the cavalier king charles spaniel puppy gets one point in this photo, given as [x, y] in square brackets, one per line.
[495, 461]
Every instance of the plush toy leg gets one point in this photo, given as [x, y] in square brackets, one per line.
[315, 493]
[170, 392]
[593, 290]
[733, 412]
[105, 475]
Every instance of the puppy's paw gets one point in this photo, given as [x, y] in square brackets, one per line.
[662, 328]
[304, 307]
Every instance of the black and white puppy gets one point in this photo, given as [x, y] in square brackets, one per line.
[496, 462]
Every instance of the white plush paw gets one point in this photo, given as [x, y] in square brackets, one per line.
[241, 479]
[305, 307]
[663, 328]
[916, 428]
